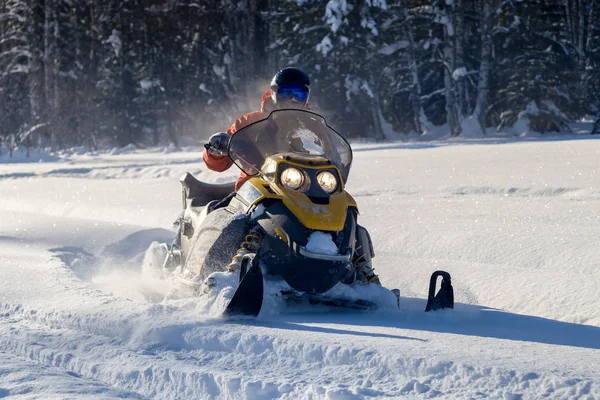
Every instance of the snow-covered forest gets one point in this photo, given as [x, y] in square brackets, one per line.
[113, 72]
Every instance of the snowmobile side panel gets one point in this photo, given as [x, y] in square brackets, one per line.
[254, 191]
[445, 297]
[366, 240]
[347, 240]
[236, 206]
[277, 216]
[248, 297]
[348, 235]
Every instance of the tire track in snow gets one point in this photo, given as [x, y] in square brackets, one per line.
[573, 193]
[31, 380]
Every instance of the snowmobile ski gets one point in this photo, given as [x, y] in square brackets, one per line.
[248, 297]
[445, 297]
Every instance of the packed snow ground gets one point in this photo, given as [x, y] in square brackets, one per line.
[516, 223]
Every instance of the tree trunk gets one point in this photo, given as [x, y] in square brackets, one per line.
[484, 68]
[59, 127]
[2, 25]
[49, 67]
[449, 67]
[35, 31]
[419, 118]
[596, 127]
[264, 60]
[590, 27]
[171, 129]
[581, 27]
[126, 135]
[95, 13]
[48, 53]
[569, 17]
[587, 68]
[451, 112]
[458, 18]
[376, 117]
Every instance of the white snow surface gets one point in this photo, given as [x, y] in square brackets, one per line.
[84, 312]
[321, 243]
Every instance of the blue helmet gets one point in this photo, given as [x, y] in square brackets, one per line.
[290, 86]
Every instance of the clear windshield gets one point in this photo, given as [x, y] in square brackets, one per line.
[289, 131]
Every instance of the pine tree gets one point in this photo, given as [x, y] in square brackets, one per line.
[446, 16]
[14, 58]
[343, 59]
[483, 83]
[37, 95]
[536, 66]
[398, 61]
[148, 72]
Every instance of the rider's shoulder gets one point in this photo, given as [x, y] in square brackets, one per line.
[248, 119]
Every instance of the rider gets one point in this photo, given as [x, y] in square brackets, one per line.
[290, 88]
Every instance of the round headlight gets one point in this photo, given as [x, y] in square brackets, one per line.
[327, 181]
[292, 178]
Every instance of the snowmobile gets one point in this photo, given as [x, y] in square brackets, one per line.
[291, 219]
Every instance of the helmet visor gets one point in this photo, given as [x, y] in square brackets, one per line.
[292, 93]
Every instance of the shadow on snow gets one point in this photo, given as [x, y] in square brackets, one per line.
[465, 319]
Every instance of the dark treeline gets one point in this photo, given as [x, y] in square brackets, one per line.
[111, 72]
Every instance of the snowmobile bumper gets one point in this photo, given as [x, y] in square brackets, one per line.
[300, 271]
[324, 257]
[283, 251]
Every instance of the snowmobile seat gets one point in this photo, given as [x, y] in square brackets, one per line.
[201, 192]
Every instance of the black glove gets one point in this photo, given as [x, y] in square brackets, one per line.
[217, 144]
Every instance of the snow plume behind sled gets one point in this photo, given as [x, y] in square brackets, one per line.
[149, 281]
[139, 279]
[129, 268]
[143, 280]
[213, 300]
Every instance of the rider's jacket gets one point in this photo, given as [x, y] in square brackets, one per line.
[222, 163]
